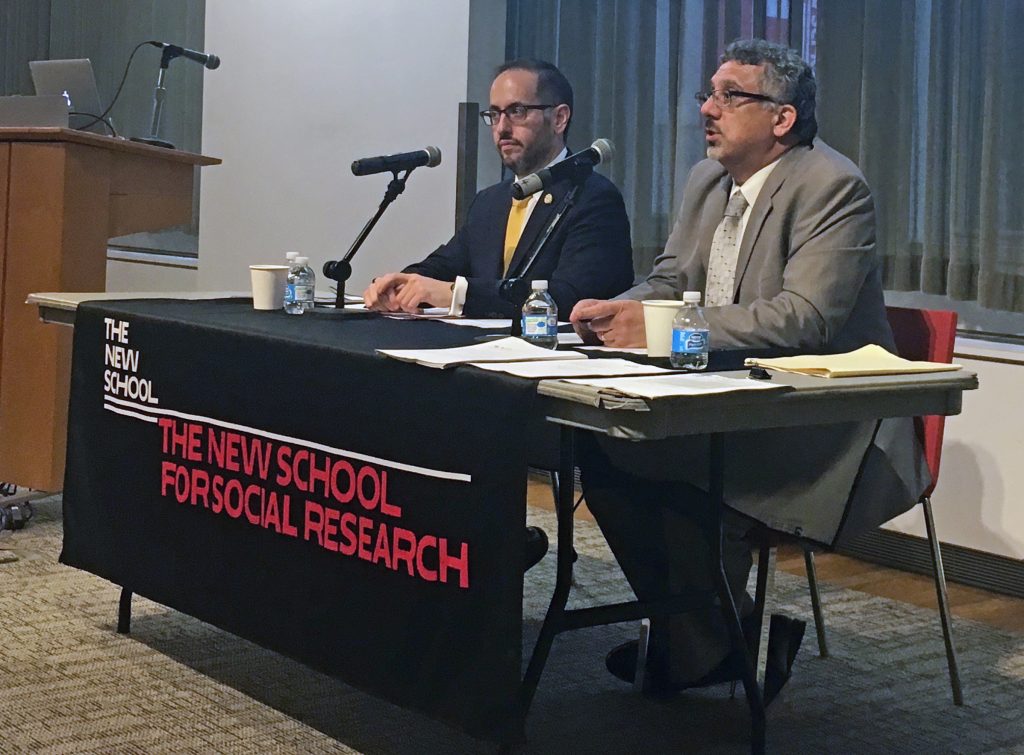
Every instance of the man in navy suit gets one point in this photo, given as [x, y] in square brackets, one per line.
[589, 254]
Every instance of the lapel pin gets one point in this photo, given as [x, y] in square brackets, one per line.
[548, 199]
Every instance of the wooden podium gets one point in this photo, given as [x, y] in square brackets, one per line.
[63, 194]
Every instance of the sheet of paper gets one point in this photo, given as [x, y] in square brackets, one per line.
[431, 313]
[641, 352]
[499, 350]
[566, 368]
[867, 360]
[478, 323]
[677, 384]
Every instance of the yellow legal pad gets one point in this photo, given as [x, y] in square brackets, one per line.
[867, 360]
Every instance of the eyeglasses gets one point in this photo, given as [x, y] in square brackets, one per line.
[516, 112]
[724, 97]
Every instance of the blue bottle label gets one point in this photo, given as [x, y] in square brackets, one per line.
[689, 341]
[289, 293]
[540, 325]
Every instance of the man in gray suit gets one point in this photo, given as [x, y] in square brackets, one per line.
[778, 230]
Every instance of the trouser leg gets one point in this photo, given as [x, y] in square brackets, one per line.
[658, 531]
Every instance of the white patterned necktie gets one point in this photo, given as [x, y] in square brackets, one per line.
[725, 249]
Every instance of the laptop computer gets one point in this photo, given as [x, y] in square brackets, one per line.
[42, 110]
[74, 81]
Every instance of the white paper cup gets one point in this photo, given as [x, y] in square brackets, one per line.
[268, 282]
[658, 317]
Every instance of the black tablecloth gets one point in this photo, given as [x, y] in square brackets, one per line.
[273, 476]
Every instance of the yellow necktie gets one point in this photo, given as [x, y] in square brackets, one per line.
[514, 229]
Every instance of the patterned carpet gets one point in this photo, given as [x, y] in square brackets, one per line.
[70, 684]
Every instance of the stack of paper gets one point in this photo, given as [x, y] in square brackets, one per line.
[867, 360]
[500, 350]
[687, 384]
[571, 368]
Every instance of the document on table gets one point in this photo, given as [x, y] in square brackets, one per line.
[639, 352]
[478, 323]
[867, 360]
[571, 368]
[352, 301]
[440, 314]
[500, 350]
[676, 384]
[430, 313]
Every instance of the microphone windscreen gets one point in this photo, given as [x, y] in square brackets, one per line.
[433, 156]
[604, 148]
[527, 186]
[212, 61]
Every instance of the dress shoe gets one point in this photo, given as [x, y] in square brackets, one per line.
[536, 546]
[621, 662]
[784, 638]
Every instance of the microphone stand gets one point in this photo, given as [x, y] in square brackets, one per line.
[341, 270]
[517, 290]
[169, 54]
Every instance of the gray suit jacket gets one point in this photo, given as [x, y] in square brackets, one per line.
[807, 277]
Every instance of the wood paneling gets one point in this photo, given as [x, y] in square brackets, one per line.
[63, 198]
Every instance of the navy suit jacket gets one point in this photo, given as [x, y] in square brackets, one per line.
[589, 255]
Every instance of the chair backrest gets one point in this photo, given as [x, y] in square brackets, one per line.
[925, 334]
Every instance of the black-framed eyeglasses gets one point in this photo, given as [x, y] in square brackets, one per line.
[516, 112]
[724, 97]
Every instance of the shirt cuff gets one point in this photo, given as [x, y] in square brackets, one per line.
[458, 296]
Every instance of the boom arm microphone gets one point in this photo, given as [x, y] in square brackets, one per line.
[209, 60]
[601, 151]
[367, 166]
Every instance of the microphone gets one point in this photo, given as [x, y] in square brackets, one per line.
[601, 151]
[367, 166]
[209, 60]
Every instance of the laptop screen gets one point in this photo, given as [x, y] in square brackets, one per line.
[75, 82]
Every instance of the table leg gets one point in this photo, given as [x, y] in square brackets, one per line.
[124, 612]
[554, 620]
[726, 601]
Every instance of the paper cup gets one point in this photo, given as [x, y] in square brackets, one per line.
[268, 282]
[658, 316]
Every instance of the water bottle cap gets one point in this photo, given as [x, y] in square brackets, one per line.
[290, 255]
[539, 285]
[301, 260]
[691, 297]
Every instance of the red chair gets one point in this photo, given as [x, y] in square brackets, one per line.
[928, 335]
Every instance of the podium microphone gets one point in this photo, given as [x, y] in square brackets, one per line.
[209, 60]
[367, 166]
[573, 167]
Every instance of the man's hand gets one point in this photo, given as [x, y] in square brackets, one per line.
[406, 292]
[613, 323]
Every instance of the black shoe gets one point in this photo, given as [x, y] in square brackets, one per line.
[536, 546]
[621, 662]
[784, 638]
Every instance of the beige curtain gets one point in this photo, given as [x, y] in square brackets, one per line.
[926, 96]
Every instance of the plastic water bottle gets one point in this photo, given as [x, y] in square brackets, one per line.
[690, 337]
[298, 296]
[540, 317]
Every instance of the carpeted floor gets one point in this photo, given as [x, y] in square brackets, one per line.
[70, 684]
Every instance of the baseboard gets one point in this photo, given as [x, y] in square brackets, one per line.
[962, 565]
